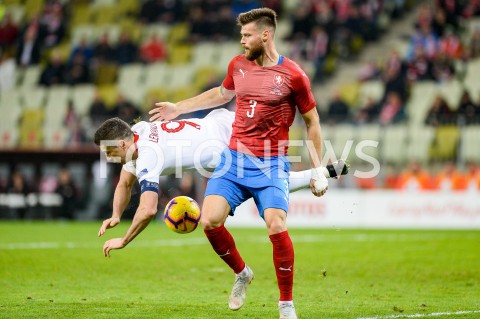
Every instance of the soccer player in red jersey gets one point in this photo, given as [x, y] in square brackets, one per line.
[268, 88]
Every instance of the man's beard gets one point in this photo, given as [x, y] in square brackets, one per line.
[254, 52]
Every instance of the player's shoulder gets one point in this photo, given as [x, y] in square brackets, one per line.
[292, 66]
[140, 126]
[239, 59]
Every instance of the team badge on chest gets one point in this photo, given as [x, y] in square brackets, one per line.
[278, 81]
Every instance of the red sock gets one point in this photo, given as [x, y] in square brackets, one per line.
[224, 245]
[283, 258]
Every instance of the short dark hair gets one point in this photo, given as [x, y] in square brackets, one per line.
[264, 17]
[113, 129]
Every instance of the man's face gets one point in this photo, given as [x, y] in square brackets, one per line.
[115, 154]
[252, 41]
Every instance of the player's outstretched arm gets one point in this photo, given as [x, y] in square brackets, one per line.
[146, 211]
[166, 111]
[121, 198]
[301, 179]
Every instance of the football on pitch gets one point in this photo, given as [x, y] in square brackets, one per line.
[182, 214]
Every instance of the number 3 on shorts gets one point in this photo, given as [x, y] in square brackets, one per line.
[250, 113]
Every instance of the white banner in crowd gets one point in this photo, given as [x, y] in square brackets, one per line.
[373, 209]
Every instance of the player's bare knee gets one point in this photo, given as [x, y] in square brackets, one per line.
[275, 224]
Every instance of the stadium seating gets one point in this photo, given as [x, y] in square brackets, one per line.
[394, 144]
[82, 96]
[446, 143]
[56, 105]
[421, 98]
[420, 140]
[369, 133]
[470, 144]
[156, 75]
[343, 139]
[451, 91]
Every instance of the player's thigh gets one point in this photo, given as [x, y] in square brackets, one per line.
[215, 210]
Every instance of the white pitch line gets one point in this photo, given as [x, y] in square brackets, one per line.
[424, 315]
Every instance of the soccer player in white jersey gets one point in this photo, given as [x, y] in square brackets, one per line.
[149, 150]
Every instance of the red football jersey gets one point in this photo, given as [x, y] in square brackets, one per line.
[266, 99]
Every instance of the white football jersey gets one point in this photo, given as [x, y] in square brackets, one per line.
[171, 147]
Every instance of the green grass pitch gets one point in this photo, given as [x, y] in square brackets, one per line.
[57, 270]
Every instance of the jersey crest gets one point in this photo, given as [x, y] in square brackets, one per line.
[278, 80]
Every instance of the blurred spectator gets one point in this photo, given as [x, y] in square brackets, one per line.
[419, 68]
[223, 27]
[302, 21]
[54, 72]
[52, 20]
[392, 111]
[29, 46]
[239, 6]
[199, 25]
[8, 71]
[450, 179]
[439, 113]
[474, 44]
[317, 51]
[369, 71]
[451, 45]
[78, 70]
[18, 185]
[67, 189]
[9, 32]
[439, 22]
[414, 178]
[473, 176]
[443, 68]
[126, 50]
[338, 110]
[124, 109]
[324, 16]
[468, 112]
[70, 116]
[394, 76]
[276, 5]
[452, 10]
[424, 16]
[354, 24]
[98, 111]
[82, 48]
[153, 50]
[164, 11]
[425, 38]
[76, 134]
[103, 52]
[471, 9]
[299, 48]
[367, 113]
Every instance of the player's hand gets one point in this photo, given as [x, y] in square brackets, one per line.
[318, 183]
[114, 243]
[314, 189]
[164, 111]
[108, 223]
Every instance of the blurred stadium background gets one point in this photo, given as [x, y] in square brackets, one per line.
[402, 73]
